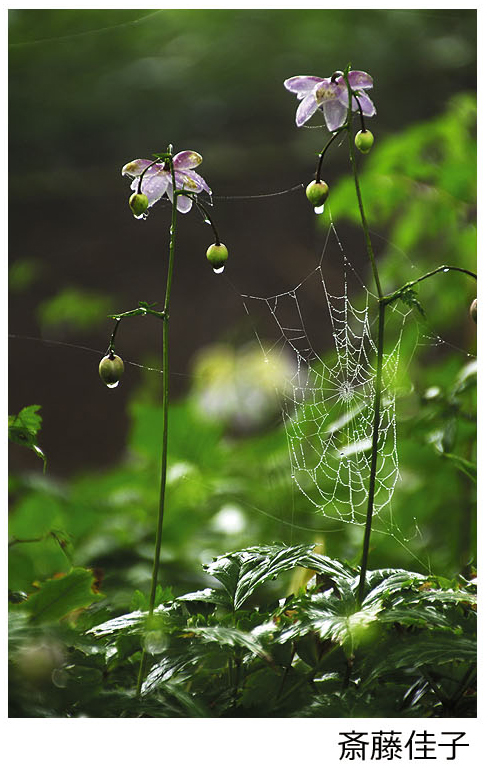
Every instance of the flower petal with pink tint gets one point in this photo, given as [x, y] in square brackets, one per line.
[186, 159]
[306, 109]
[196, 179]
[359, 79]
[153, 186]
[184, 204]
[335, 114]
[136, 167]
[367, 106]
[302, 84]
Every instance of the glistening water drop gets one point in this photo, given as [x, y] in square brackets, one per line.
[112, 384]
[319, 209]
[218, 270]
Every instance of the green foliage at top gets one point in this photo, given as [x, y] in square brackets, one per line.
[421, 184]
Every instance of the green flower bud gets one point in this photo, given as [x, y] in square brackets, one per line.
[217, 254]
[111, 369]
[138, 203]
[473, 310]
[317, 193]
[364, 141]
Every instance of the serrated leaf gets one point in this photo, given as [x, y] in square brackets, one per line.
[434, 648]
[242, 572]
[182, 663]
[208, 595]
[59, 596]
[132, 621]
[410, 299]
[231, 637]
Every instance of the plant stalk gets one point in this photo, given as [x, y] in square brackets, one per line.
[379, 354]
[163, 477]
[374, 452]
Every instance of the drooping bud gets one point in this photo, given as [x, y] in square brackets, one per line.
[111, 369]
[317, 193]
[364, 141]
[217, 254]
[473, 310]
[138, 203]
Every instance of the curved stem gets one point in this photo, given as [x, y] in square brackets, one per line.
[207, 218]
[110, 350]
[442, 269]
[361, 114]
[158, 160]
[163, 478]
[322, 155]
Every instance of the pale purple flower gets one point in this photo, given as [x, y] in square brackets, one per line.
[158, 179]
[332, 95]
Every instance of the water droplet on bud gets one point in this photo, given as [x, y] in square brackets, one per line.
[218, 270]
[319, 209]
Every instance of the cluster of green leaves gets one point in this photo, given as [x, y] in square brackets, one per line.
[233, 649]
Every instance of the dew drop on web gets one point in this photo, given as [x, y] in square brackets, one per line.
[446, 270]
[218, 270]
[319, 209]
[207, 221]
[112, 384]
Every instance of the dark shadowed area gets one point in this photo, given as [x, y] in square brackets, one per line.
[93, 89]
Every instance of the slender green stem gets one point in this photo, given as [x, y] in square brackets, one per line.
[442, 269]
[163, 479]
[374, 452]
[207, 218]
[379, 354]
[110, 350]
[322, 155]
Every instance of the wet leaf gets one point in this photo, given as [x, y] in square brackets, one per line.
[59, 596]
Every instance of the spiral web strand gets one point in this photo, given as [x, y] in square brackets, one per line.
[328, 403]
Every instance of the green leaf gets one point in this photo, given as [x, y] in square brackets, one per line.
[410, 299]
[132, 621]
[436, 648]
[465, 466]
[141, 602]
[231, 637]
[23, 428]
[242, 572]
[59, 596]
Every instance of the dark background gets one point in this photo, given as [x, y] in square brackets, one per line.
[91, 90]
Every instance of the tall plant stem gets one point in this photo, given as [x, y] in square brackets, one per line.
[163, 477]
[374, 452]
[379, 354]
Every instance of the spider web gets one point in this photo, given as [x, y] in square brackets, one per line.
[328, 403]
